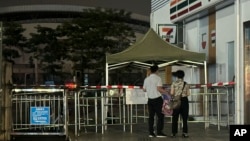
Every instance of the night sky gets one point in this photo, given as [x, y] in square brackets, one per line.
[141, 7]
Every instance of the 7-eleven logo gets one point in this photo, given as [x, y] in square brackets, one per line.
[168, 32]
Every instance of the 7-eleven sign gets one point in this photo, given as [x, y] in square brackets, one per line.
[167, 32]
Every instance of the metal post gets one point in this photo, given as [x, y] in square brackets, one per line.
[205, 96]
[76, 110]
[228, 107]
[66, 114]
[102, 110]
[218, 109]
[123, 105]
[131, 118]
[96, 112]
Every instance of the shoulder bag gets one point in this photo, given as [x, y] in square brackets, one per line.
[175, 101]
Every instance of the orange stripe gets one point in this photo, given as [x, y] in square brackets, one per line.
[173, 2]
[166, 29]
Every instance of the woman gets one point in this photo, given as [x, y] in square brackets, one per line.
[179, 87]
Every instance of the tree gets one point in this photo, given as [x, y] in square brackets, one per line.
[48, 50]
[97, 32]
[13, 40]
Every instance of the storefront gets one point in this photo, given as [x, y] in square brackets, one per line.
[219, 28]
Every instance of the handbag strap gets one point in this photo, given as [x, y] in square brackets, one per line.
[183, 87]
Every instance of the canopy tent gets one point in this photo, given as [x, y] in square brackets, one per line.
[153, 49]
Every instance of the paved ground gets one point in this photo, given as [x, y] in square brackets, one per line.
[197, 132]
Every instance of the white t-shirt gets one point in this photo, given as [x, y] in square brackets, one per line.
[150, 84]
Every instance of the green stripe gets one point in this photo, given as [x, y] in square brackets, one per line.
[172, 10]
[183, 4]
[192, 1]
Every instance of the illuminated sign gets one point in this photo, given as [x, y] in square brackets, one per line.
[168, 32]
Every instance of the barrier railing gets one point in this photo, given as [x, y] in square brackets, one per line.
[210, 114]
[113, 105]
[104, 106]
[218, 102]
[88, 109]
[41, 111]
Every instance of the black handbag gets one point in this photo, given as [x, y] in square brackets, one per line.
[175, 101]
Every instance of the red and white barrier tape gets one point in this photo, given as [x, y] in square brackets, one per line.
[114, 87]
[218, 84]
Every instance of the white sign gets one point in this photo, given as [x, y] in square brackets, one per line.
[168, 32]
[136, 96]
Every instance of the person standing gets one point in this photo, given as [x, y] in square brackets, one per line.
[180, 87]
[153, 87]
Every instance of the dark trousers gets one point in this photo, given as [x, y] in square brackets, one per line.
[154, 107]
[183, 111]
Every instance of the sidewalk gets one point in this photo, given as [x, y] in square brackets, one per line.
[197, 132]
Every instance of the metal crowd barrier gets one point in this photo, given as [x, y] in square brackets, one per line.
[114, 110]
[223, 110]
[211, 106]
[40, 111]
[126, 108]
[88, 109]
[108, 104]
[50, 111]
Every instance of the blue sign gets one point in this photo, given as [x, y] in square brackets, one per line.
[39, 115]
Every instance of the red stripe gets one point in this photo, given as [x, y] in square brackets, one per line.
[109, 86]
[173, 17]
[231, 83]
[130, 86]
[182, 12]
[209, 85]
[98, 87]
[220, 83]
[119, 86]
[170, 31]
[195, 6]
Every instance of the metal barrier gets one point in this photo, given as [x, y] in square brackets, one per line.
[49, 111]
[207, 107]
[109, 104]
[115, 109]
[223, 110]
[40, 111]
[88, 109]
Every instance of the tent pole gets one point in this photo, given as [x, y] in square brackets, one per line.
[106, 74]
[206, 97]
[105, 97]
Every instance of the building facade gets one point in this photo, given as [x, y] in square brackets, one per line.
[219, 28]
